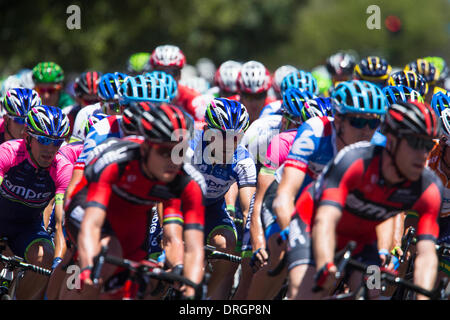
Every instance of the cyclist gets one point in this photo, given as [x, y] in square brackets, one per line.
[108, 91]
[118, 189]
[278, 76]
[442, 67]
[409, 79]
[295, 112]
[48, 78]
[32, 173]
[171, 59]
[16, 103]
[430, 73]
[254, 81]
[340, 66]
[168, 80]
[223, 162]
[439, 162]
[86, 93]
[138, 63]
[298, 79]
[225, 79]
[373, 69]
[364, 186]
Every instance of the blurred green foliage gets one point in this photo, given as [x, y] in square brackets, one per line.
[275, 32]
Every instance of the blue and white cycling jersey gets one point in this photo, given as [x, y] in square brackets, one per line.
[273, 108]
[219, 177]
[258, 136]
[104, 129]
[314, 146]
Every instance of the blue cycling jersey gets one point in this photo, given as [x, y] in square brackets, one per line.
[219, 177]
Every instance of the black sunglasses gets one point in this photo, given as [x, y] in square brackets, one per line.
[418, 143]
[360, 123]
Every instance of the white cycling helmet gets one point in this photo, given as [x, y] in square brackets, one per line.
[279, 75]
[254, 78]
[445, 118]
[227, 75]
[167, 56]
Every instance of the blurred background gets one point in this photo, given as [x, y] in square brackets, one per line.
[298, 32]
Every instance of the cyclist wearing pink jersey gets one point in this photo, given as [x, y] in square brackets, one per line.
[31, 174]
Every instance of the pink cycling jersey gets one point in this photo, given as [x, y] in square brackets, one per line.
[72, 151]
[278, 149]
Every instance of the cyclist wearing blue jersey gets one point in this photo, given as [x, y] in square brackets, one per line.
[223, 162]
[357, 115]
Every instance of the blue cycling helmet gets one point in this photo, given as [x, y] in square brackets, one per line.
[225, 114]
[325, 105]
[294, 100]
[109, 84]
[47, 121]
[358, 96]
[141, 88]
[300, 79]
[400, 93]
[168, 79]
[439, 102]
[18, 101]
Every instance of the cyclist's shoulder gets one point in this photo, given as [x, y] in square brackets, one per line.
[65, 100]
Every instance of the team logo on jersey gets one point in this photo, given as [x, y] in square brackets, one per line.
[304, 145]
[366, 209]
[25, 193]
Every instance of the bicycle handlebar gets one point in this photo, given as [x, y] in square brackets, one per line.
[17, 262]
[212, 253]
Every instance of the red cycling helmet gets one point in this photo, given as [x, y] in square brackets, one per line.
[167, 56]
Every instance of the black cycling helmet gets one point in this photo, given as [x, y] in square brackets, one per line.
[166, 123]
[341, 64]
[132, 115]
[404, 118]
[87, 83]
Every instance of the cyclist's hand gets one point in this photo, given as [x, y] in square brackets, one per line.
[259, 259]
[325, 278]
[85, 279]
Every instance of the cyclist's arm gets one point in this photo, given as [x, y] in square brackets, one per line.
[324, 234]
[425, 266]
[385, 234]
[60, 242]
[426, 262]
[256, 230]
[283, 204]
[231, 197]
[89, 236]
[245, 196]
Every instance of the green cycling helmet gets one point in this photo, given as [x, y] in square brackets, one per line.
[139, 62]
[48, 72]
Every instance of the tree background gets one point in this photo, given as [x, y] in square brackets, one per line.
[276, 32]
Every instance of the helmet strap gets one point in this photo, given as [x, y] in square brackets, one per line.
[393, 157]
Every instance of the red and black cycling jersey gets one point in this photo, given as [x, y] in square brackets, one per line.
[115, 182]
[353, 182]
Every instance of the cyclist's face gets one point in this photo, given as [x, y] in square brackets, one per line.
[412, 160]
[88, 99]
[43, 154]
[14, 128]
[159, 162]
[226, 147]
[49, 93]
[351, 127]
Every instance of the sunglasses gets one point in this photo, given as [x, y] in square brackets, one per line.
[50, 90]
[46, 141]
[162, 150]
[17, 119]
[254, 96]
[90, 101]
[418, 143]
[360, 123]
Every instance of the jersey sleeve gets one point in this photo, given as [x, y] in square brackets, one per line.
[89, 144]
[305, 144]
[7, 158]
[428, 208]
[188, 210]
[63, 175]
[244, 171]
[277, 152]
[100, 185]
